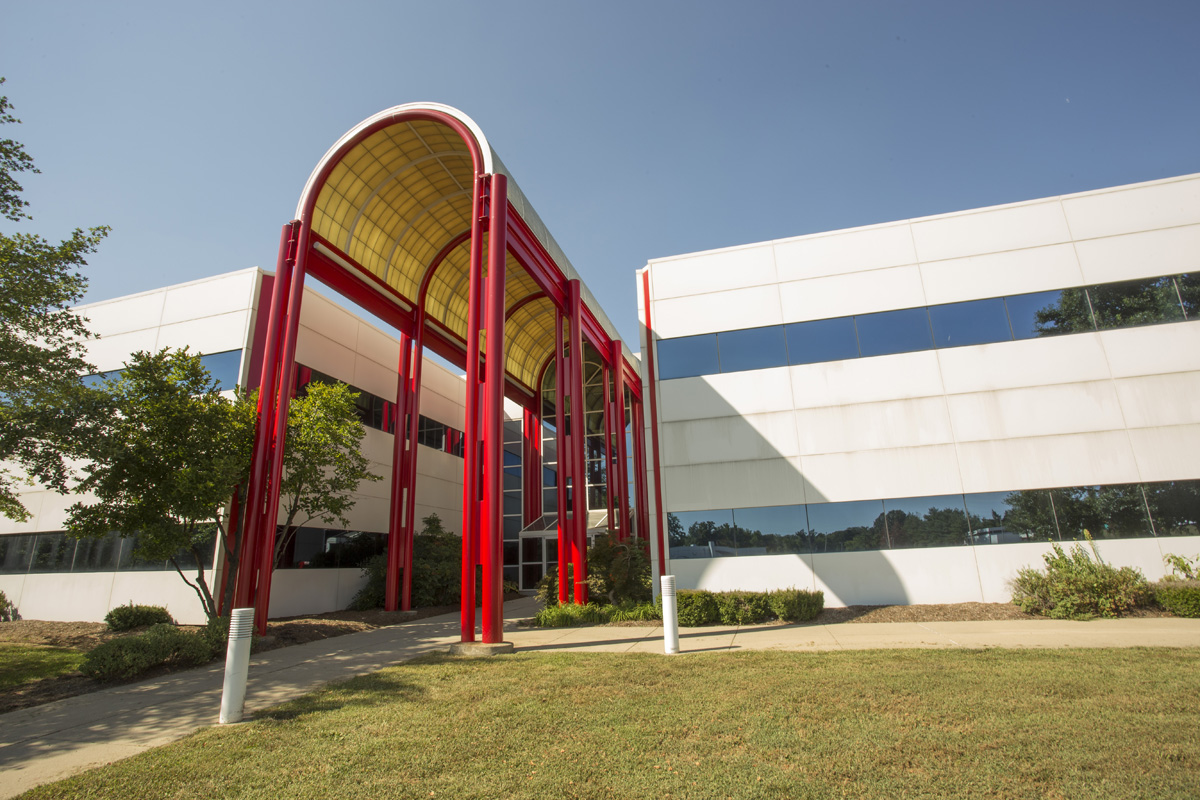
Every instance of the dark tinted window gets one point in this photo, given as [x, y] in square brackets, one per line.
[224, 367]
[1106, 512]
[976, 322]
[1049, 313]
[894, 332]
[777, 529]
[53, 552]
[757, 348]
[688, 356]
[926, 521]
[1005, 517]
[16, 552]
[822, 340]
[1189, 290]
[97, 555]
[855, 525]
[1141, 302]
[1175, 507]
[701, 534]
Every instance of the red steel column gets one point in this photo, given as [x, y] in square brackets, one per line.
[410, 462]
[562, 469]
[651, 390]
[244, 589]
[492, 530]
[614, 523]
[578, 458]
[395, 545]
[531, 463]
[639, 470]
[470, 524]
[620, 456]
[283, 397]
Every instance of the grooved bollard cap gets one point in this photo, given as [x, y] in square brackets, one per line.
[241, 626]
[668, 585]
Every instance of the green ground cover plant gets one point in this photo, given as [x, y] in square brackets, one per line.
[130, 616]
[1001, 724]
[21, 663]
[1079, 585]
[160, 645]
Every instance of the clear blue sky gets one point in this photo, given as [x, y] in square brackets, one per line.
[637, 129]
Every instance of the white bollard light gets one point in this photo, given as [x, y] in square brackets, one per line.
[237, 665]
[670, 616]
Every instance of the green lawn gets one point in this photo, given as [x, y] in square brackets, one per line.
[879, 724]
[20, 663]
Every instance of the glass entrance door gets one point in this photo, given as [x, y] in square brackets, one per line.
[539, 556]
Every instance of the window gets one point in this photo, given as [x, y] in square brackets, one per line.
[894, 332]
[974, 322]
[1189, 293]
[1141, 302]
[702, 534]
[756, 348]
[224, 367]
[851, 526]
[775, 529]
[821, 340]
[688, 356]
[1006, 517]
[1049, 313]
[926, 521]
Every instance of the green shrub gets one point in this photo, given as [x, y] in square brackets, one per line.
[437, 571]
[8, 611]
[796, 605]
[570, 614]
[1076, 586]
[216, 633]
[619, 571]
[1180, 597]
[130, 656]
[696, 607]
[743, 608]
[635, 612]
[371, 595]
[125, 618]
[1182, 567]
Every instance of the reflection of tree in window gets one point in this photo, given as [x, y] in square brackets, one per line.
[1175, 507]
[939, 527]
[1069, 315]
[1189, 293]
[1141, 302]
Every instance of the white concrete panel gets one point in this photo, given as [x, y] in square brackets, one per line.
[1153, 349]
[1079, 459]
[160, 588]
[898, 577]
[304, 591]
[866, 380]
[715, 271]
[79, 597]
[872, 474]
[322, 353]
[379, 347]
[220, 295]
[1144, 554]
[744, 484]
[758, 392]
[855, 293]
[1139, 255]
[734, 438]
[125, 314]
[999, 564]
[1158, 400]
[1165, 454]
[371, 376]
[329, 319]
[111, 352]
[752, 573]
[1029, 362]
[1036, 411]
[872, 426]
[752, 307]
[1134, 208]
[990, 230]
[214, 334]
[52, 510]
[32, 500]
[13, 587]
[857, 250]
[1034, 269]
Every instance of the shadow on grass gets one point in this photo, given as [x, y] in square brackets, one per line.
[366, 691]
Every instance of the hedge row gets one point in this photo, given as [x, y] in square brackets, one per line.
[698, 607]
[1180, 597]
[160, 645]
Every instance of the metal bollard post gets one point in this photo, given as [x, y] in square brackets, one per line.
[237, 665]
[670, 616]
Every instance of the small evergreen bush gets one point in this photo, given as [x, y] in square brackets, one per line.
[8, 611]
[130, 656]
[743, 608]
[1180, 597]
[1076, 586]
[371, 595]
[128, 617]
[796, 605]
[696, 607]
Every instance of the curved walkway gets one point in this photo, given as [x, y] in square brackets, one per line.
[45, 743]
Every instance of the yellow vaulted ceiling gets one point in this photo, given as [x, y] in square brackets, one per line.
[394, 201]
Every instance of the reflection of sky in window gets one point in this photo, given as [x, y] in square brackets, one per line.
[975, 322]
[783, 520]
[223, 367]
[718, 517]
[921, 505]
[822, 340]
[894, 332]
[687, 356]
[984, 504]
[1022, 310]
[756, 348]
[830, 517]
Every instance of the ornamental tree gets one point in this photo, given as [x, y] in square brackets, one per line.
[45, 416]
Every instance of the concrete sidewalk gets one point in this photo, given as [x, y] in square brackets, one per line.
[53, 741]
